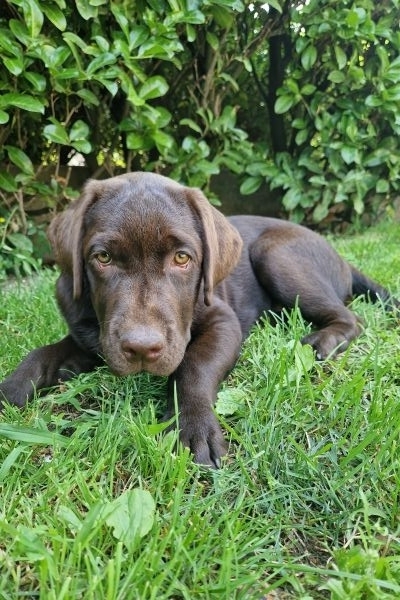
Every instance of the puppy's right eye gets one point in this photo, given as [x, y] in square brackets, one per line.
[103, 257]
[181, 259]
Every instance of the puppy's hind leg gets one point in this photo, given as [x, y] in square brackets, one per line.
[338, 326]
[301, 268]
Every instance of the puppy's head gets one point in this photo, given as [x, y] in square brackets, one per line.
[221, 243]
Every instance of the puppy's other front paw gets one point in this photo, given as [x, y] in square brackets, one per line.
[203, 436]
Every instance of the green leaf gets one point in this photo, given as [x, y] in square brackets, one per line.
[304, 358]
[65, 74]
[4, 117]
[20, 242]
[392, 94]
[83, 146]
[153, 87]
[121, 18]
[275, 4]
[79, 131]
[157, 49]
[111, 86]
[284, 103]
[33, 17]
[99, 62]
[336, 76]
[190, 123]
[88, 97]
[159, 5]
[102, 43]
[55, 57]
[194, 17]
[207, 168]
[373, 101]
[20, 159]
[299, 123]
[212, 40]
[37, 80]
[66, 514]
[352, 19]
[292, 198]
[162, 140]
[251, 185]
[14, 65]
[137, 36]
[257, 168]
[136, 141]
[55, 15]
[31, 435]
[307, 89]
[383, 57]
[377, 157]
[231, 80]
[223, 17]
[131, 516]
[301, 136]
[56, 133]
[350, 154]
[341, 57]
[357, 74]
[320, 212]
[20, 31]
[23, 101]
[382, 186]
[308, 57]
[74, 40]
[358, 205]
[86, 10]
[230, 401]
[7, 182]
[393, 72]
[158, 115]
[9, 44]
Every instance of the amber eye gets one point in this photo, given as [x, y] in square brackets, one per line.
[181, 259]
[103, 257]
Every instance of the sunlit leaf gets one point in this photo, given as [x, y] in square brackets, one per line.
[23, 101]
[131, 516]
[20, 159]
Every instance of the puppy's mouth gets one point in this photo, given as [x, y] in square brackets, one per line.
[123, 367]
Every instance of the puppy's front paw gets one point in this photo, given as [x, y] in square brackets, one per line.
[325, 343]
[203, 436]
[12, 393]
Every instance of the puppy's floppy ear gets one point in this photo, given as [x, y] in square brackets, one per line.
[66, 231]
[222, 243]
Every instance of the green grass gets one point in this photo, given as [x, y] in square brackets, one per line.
[306, 505]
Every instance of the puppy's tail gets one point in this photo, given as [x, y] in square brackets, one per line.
[372, 291]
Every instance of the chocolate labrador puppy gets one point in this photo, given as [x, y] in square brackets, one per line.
[153, 278]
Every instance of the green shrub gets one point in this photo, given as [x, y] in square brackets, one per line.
[301, 95]
[340, 103]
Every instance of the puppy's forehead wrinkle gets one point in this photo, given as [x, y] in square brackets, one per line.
[142, 210]
[141, 226]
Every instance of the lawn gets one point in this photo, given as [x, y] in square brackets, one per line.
[97, 504]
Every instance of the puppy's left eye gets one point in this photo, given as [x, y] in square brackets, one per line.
[103, 257]
[181, 259]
